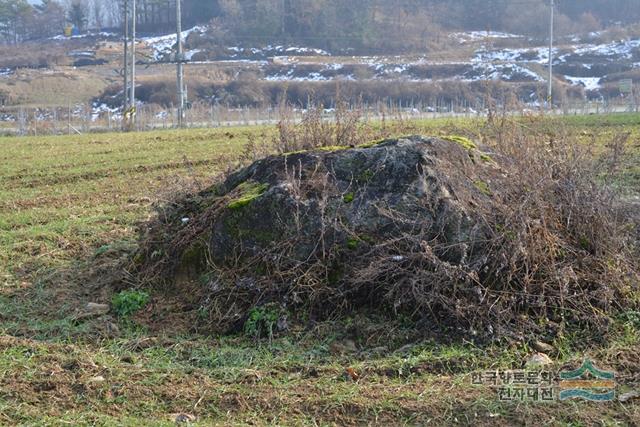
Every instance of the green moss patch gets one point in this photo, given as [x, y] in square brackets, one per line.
[372, 144]
[332, 148]
[353, 244]
[470, 146]
[466, 143]
[249, 191]
[365, 176]
[348, 198]
[237, 226]
[486, 158]
[329, 149]
[194, 258]
[292, 153]
[483, 187]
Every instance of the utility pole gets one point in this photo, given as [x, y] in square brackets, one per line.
[550, 90]
[126, 56]
[283, 23]
[132, 97]
[180, 66]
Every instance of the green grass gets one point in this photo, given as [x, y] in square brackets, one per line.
[64, 195]
[603, 121]
[70, 204]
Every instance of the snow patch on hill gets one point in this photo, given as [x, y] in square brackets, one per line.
[384, 69]
[273, 51]
[164, 45]
[589, 83]
[621, 50]
[101, 34]
[538, 54]
[473, 36]
[504, 72]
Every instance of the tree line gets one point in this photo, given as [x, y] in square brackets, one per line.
[376, 24]
[19, 20]
[406, 24]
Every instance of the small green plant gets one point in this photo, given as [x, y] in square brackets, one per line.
[365, 176]
[262, 321]
[631, 319]
[203, 312]
[584, 243]
[205, 278]
[353, 244]
[628, 328]
[348, 198]
[129, 302]
[102, 250]
[483, 187]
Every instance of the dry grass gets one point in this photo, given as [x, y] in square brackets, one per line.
[53, 88]
[150, 382]
[62, 199]
[32, 56]
[553, 250]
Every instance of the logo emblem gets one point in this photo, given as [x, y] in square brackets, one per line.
[588, 383]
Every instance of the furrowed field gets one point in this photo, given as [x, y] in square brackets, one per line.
[72, 205]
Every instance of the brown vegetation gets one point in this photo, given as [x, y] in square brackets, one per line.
[248, 91]
[31, 56]
[552, 248]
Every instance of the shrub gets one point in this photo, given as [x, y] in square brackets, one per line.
[31, 56]
[127, 303]
[557, 251]
[262, 321]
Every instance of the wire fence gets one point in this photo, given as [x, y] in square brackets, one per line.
[80, 119]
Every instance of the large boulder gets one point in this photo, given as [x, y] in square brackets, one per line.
[350, 197]
[379, 224]
[431, 228]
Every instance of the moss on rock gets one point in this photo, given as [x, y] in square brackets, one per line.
[249, 191]
[372, 144]
[466, 143]
[332, 148]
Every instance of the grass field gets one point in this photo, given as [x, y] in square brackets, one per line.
[69, 205]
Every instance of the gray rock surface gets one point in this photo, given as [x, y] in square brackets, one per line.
[355, 197]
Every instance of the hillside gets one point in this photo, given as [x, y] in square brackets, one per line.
[452, 74]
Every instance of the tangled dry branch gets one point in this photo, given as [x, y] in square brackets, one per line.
[549, 245]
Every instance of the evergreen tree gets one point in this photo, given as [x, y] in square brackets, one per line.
[78, 15]
[15, 19]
